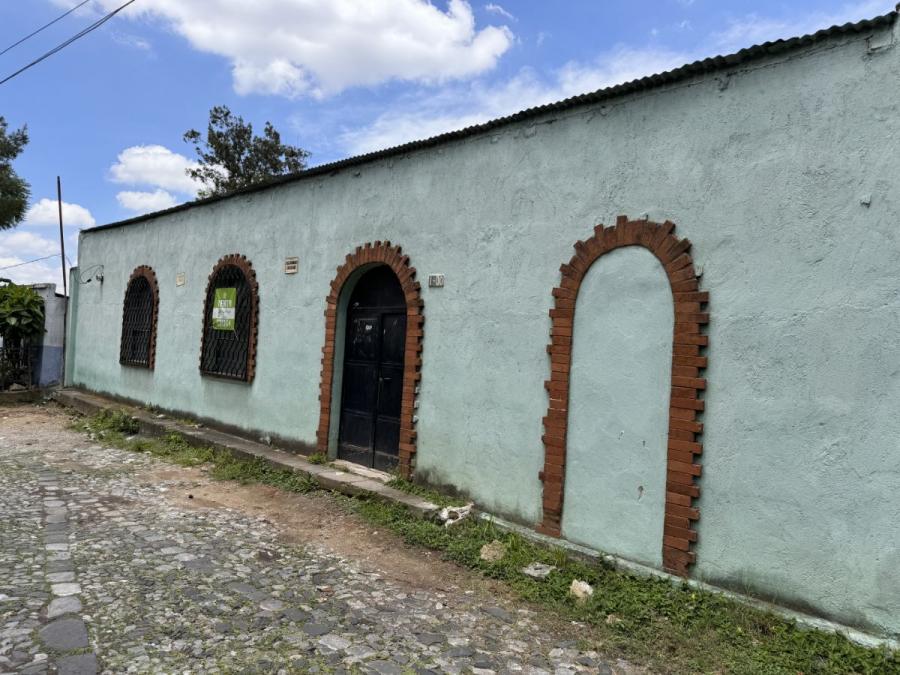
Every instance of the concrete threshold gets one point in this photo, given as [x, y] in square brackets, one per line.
[351, 481]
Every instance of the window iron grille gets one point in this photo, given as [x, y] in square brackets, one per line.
[139, 320]
[227, 353]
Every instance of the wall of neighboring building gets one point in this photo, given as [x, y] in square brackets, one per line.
[47, 360]
[781, 172]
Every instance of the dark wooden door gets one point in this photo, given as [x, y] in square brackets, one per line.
[373, 371]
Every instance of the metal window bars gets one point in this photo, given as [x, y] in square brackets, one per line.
[226, 352]
[137, 324]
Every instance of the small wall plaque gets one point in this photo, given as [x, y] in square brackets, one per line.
[435, 280]
[179, 279]
[291, 265]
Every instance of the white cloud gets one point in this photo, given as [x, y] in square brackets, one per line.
[40, 272]
[134, 41]
[320, 47]
[24, 244]
[620, 65]
[45, 212]
[494, 8]
[431, 113]
[156, 166]
[29, 258]
[145, 202]
[754, 29]
[428, 113]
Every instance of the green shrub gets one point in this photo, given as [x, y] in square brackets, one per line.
[21, 313]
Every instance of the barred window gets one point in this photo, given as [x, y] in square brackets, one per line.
[229, 322]
[138, 344]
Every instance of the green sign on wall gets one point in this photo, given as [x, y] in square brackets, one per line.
[223, 309]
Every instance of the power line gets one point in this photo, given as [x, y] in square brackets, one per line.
[28, 262]
[46, 25]
[94, 26]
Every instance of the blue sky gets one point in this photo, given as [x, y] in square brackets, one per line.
[336, 77]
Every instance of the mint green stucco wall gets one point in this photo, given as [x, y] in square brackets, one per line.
[783, 174]
[621, 371]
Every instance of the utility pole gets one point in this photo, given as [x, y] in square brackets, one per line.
[62, 241]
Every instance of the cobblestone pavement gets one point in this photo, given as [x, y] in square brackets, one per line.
[101, 572]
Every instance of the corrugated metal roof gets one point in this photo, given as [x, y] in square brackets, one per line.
[704, 66]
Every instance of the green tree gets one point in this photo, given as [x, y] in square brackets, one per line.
[14, 191]
[231, 157]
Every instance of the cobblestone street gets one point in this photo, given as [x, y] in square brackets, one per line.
[115, 562]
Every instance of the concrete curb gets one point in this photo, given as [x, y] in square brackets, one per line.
[327, 477]
[26, 396]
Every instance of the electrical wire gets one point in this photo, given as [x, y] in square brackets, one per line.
[28, 262]
[46, 25]
[86, 276]
[94, 26]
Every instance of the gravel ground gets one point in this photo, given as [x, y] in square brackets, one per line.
[103, 570]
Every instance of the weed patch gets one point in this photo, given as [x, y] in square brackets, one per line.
[672, 628]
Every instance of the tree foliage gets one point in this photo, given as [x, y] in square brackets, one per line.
[231, 157]
[14, 191]
[21, 313]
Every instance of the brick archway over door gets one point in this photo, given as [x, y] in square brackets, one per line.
[687, 384]
[366, 256]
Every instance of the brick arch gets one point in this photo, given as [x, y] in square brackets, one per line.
[379, 253]
[687, 384]
[145, 272]
[246, 267]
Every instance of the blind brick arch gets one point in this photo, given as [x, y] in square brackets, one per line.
[392, 256]
[685, 403]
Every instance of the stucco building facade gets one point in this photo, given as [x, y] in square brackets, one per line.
[661, 320]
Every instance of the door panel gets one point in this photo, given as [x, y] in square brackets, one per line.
[363, 342]
[356, 429]
[393, 332]
[372, 390]
[390, 391]
[361, 382]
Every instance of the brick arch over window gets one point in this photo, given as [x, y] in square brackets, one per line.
[687, 384]
[366, 256]
[231, 356]
[140, 311]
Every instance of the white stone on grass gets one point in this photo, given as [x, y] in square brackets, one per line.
[581, 590]
[538, 570]
[493, 552]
